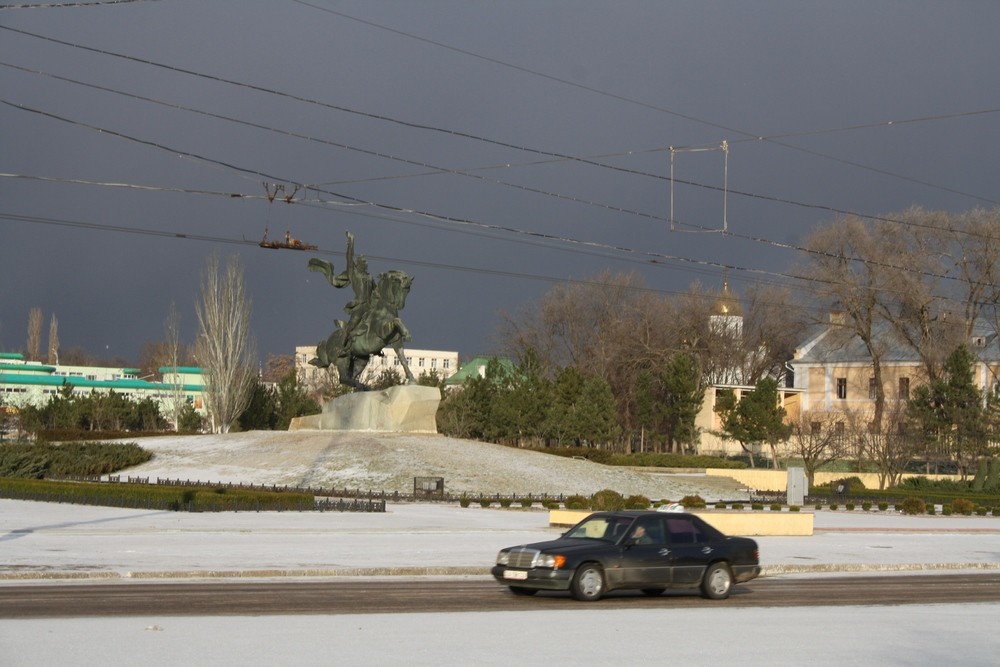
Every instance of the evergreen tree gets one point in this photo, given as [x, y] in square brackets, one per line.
[597, 412]
[293, 400]
[261, 410]
[951, 413]
[756, 418]
[680, 401]
[562, 420]
[522, 401]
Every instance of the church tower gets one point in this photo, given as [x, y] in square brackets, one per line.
[727, 314]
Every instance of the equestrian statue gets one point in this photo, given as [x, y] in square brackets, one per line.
[373, 319]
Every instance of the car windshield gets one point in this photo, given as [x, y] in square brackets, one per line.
[605, 528]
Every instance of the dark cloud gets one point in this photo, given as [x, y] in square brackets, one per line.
[430, 130]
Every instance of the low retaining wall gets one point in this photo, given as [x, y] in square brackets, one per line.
[777, 480]
[735, 522]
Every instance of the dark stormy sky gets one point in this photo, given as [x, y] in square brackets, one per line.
[488, 149]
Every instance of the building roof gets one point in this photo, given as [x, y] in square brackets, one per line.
[727, 305]
[835, 344]
[476, 367]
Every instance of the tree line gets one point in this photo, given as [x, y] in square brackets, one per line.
[610, 363]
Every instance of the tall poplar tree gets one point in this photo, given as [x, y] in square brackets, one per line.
[226, 350]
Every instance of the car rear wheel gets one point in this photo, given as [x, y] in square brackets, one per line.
[588, 583]
[521, 590]
[718, 582]
[653, 592]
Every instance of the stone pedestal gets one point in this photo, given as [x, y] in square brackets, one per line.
[400, 409]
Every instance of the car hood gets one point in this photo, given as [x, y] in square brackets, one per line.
[563, 545]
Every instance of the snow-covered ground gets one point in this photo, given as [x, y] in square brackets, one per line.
[39, 540]
[381, 461]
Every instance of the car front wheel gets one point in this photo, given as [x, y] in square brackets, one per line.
[718, 582]
[588, 583]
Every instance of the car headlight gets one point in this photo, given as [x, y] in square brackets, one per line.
[503, 558]
[555, 561]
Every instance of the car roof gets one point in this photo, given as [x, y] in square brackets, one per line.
[634, 514]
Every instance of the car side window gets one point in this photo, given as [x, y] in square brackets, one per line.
[683, 530]
[617, 529]
[648, 530]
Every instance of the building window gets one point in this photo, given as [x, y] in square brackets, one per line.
[446, 363]
[871, 389]
[904, 389]
[434, 363]
[420, 362]
[838, 428]
[816, 428]
[842, 388]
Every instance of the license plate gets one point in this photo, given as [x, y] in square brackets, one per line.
[515, 574]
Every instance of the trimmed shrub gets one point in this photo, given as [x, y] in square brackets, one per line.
[577, 503]
[931, 510]
[756, 506]
[720, 506]
[866, 506]
[527, 502]
[982, 511]
[962, 506]
[914, 506]
[637, 502]
[833, 506]
[794, 508]
[819, 506]
[883, 506]
[693, 502]
[607, 500]
[849, 507]
[485, 502]
[157, 496]
[551, 504]
[505, 502]
[775, 507]
[738, 506]
[464, 501]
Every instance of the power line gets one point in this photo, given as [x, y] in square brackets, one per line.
[62, 5]
[561, 156]
[468, 173]
[655, 257]
[749, 136]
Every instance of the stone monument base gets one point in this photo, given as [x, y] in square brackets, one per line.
[401, 409]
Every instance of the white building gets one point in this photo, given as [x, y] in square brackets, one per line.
[24, 382]
[441, 363]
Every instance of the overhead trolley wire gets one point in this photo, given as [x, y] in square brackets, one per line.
[468, 172]
[654, 258]
[748, 136]
[561, 156]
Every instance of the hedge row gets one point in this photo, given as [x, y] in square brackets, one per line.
[645, 459]
[147, 496]
[38, 460]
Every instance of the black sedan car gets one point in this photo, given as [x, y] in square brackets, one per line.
[648, 551]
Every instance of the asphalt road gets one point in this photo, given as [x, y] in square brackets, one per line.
[463, 595]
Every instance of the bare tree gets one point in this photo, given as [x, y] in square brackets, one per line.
[887, 444]
[916, 253]
[847, 269]
[53, 356]
[226, 349]
[172, 332]
[815, 439]
[978, 261]
[33, 348]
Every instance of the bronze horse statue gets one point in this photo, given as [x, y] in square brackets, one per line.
[374, 322]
